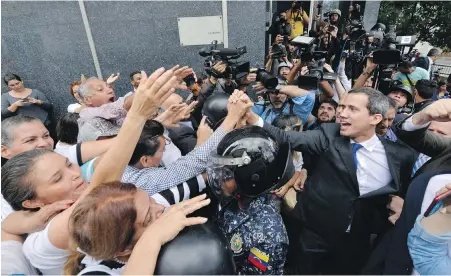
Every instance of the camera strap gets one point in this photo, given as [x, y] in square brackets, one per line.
[412, 86]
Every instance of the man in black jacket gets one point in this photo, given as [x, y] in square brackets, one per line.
[347, 192]
[391, 256]
[424, 91]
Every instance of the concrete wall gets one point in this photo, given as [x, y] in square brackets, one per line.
[46, 43]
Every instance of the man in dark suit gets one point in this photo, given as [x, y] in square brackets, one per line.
[354, 173]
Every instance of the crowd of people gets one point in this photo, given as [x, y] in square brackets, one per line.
[236, 178]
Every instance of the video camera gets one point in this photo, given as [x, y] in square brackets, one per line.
[269, 81]
[235, 70]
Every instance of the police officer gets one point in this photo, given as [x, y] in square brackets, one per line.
[247, 165]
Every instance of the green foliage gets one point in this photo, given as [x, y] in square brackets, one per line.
[429, 20]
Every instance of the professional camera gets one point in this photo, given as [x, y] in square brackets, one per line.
[315, 71]
[269, 81]
[235, 70]
[387, 53]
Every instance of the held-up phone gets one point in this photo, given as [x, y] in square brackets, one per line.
[437, 203]
[25, 100]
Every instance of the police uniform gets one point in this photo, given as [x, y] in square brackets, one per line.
[257, 236]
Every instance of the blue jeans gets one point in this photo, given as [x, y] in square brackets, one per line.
[429, 252]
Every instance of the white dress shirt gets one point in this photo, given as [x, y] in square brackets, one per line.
[373, 172]
[430, 65]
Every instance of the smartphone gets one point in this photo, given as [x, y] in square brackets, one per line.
[25, 100]
[437, 203]
[189, 80]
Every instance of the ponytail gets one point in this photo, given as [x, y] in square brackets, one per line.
[73, 264]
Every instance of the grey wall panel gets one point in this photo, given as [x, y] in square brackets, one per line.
[247, 27]
[45, 43]
[133, 36]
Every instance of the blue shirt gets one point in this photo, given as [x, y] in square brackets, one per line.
[429, 251]
[302, 108]
[418, 74]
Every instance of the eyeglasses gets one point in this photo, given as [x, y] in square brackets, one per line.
[167, 141]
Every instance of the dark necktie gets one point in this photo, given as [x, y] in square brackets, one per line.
[355, 148]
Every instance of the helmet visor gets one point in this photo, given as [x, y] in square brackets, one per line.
[221, 181]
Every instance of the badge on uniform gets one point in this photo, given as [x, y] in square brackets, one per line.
[258, 258]
[236, 243]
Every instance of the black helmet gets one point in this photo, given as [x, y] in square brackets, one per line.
[254, 159]
[197, 250]
[215, 108]
[399, 86]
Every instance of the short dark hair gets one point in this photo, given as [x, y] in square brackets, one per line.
[132, 74]
[440, 83]
[377, 102]
[17, 185]
[405, 65]
[148, 142]
[67, 128]
[426, 88]
[331, 102]
[10, 76]
[9, 124]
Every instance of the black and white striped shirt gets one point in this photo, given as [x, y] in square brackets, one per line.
[156, 180]
[186, 190]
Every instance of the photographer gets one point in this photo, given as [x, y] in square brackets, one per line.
[213, 85]
[409, 75]
[280, 26]
[297, 18]
[285, 99]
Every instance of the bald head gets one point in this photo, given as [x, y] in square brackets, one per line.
[173, 99]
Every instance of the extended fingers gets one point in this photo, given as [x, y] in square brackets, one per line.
[195, 221]
[188, 209]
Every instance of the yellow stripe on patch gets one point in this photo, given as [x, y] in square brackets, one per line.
[260, 255]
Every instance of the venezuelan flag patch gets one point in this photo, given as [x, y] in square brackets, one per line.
[258, 259]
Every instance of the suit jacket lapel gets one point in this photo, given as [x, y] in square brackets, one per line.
[343, 145]
[393, 163]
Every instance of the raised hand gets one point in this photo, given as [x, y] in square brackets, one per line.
[370, 65]
[38, 220]
[167, 226]
[152, 92]
[182, 73]
[259, 88]
[167, 118]
[203, 132]
[438, 111]
[328, 68]
[186, 112]
[112, 78]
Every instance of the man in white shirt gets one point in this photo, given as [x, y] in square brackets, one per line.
[346, 194]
